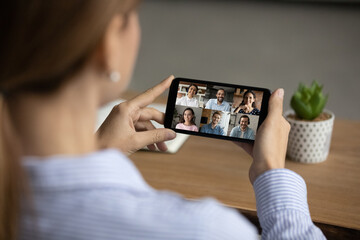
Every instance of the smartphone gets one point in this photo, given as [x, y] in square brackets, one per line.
[216, 110]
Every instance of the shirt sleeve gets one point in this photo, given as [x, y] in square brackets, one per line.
[222, 132]
[227, 107]
[178, 101]
[251, 134]
[196, 103]
[281, 202]
[222, 223]
[208, 103]
[232, 133]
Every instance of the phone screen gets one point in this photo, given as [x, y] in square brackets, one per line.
[216, 110]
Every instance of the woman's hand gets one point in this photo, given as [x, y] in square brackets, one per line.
[243, 107]
[247, 108]
[269, 150]
[128, 125]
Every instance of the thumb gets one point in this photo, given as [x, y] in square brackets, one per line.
[276, 103]
[153, 136]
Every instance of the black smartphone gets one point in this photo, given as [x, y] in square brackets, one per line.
[216, 110]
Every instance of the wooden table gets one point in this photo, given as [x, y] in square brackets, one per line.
[206, 167]
[217, 168]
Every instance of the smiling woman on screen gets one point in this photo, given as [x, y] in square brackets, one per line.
[187, 121]
[190, 99]
[248, 104]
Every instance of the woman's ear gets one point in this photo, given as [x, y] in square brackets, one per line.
[110, 44]
[117, 53]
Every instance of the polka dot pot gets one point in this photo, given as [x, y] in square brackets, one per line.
[309, 142]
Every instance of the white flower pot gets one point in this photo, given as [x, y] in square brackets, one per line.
[309, 142]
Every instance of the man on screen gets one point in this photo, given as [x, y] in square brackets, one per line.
[213, 127]
[218, 103]
[242, 130]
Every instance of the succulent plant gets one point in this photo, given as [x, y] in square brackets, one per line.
[308, 102]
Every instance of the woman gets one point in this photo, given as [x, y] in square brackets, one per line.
[248, 104]
[190, 99]
[60, 61]
[187, 121]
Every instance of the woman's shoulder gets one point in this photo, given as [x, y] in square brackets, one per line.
[255, 111]
[181, 98]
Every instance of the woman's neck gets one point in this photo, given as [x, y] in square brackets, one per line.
[58, 123]
[187, 123]
[249, 107]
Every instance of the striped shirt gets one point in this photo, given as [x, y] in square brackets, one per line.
[103, 196]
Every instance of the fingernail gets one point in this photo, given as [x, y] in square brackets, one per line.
[171, 134]
[280, 93]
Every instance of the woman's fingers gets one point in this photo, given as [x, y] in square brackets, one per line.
[148, 126]
[151, 94]
[152, 114]
[271, 139]
[145, 126]
[276, 104]
[151, 147]
[157, 136]
[162, 146]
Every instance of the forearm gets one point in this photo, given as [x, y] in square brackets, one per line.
[282, 208]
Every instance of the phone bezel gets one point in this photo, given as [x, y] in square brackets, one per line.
[170, 106]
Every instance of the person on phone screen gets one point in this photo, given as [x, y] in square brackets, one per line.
[187, 121]
[242, 130]
[213, 127]
[218, 103]
[248, 104]
[60, 61]
[190, 99]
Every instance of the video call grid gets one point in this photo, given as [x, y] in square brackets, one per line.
[217, 116]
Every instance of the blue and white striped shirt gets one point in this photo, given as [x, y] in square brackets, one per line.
[103, 196]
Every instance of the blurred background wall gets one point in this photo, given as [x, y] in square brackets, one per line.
[259, 43]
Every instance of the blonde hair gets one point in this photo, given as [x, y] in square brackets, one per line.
[42, 44]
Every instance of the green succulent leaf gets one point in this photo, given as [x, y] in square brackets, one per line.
[308, 102]
[300, 107]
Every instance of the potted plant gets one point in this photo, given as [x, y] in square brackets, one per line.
[311, 126]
